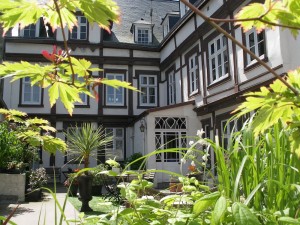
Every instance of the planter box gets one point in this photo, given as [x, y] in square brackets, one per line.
[13, 185]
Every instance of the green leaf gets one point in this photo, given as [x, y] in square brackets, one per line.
[118, 84]
[219, 210]
[22, 11]
[100, 12]
[205, 202]
[288, 220]
[243, 216]
[68, 95]
[53, 93]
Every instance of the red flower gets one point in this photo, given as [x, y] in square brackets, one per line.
[54, 57]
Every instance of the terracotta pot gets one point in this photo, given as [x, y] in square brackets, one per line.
[175, 187]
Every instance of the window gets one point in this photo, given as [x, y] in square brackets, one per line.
[80, 32]
[30, 94]
[170, 133]
[143, 36]
[148, 87]
[255, 42]
[29, 31]
[193, 74]
[218, 59]
[116, 149]
[171, 88]
[114, 96]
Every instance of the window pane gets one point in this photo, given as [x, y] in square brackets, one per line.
[261, 48]
[151, 91]
[152, 99]
[251, 40]
[212, 48]
[119, 132]
[144, 80]
[151, 80]
[218, 44]
[82, 19]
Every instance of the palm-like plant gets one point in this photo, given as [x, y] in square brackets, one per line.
[84, 141]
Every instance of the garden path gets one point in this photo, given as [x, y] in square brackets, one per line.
[30, 213]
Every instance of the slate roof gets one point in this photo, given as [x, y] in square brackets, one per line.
[140, 10]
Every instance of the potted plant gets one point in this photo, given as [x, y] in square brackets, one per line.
[175, 185]
[84, 142]
[97, 180]
[138, 164]
[37, 179]
[72, 183]
[115, 166]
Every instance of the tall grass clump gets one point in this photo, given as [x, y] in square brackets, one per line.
[260, 171]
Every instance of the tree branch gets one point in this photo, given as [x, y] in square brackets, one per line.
[65, 40]
[221, 30]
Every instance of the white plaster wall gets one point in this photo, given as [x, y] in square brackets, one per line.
[113, 111]
[185, 31]
[223, 94]
[59, 36]
[290, 48]
[116, 52]
[13, 184]
[146, 54]
[167, 49]
[94, 33]
[27, 48]
[86, 51]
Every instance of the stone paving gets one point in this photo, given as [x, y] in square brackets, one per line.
[34, 213]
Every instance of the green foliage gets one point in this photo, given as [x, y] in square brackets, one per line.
[85, 141]
[271, 14]
[11, 147]
[243, 216]
[29, 131]
[135, 162]
[273, 105]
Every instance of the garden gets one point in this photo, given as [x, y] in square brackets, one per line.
[257, 178]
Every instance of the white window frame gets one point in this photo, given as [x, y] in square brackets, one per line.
[172, 87]
[148, 86]
[139, 27]
[179, 135]
[25, 83]
[111, 150]
[255, 46]
[114, 76]
[220, 58]
[78, 29]
[193, 75]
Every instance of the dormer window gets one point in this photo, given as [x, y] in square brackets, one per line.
[80, 32]
[143, 36]
[142, 32]
[169, 22]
